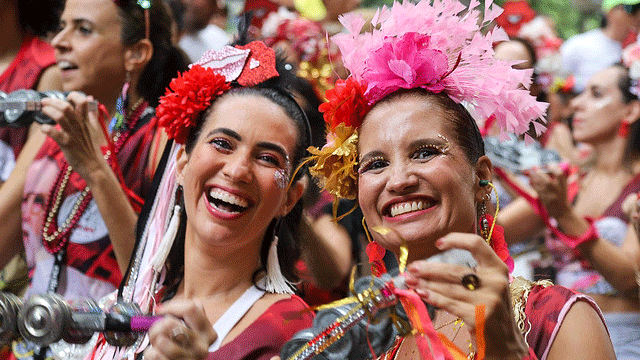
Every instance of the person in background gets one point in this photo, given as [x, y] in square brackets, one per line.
[585, 54]
[580, 209]
[203, 27]
[27, 61]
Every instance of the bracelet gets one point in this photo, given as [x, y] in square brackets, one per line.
[574, 241]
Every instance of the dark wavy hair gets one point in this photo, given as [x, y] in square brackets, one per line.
[39, 17]
[167, 59]
[629, 87]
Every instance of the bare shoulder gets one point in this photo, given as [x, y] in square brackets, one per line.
[51, 79]
[592, 344]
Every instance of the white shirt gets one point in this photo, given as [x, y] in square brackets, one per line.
[209, 38]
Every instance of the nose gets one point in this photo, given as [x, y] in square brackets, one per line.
[576, 102]
[60, 41]
[238, 168]
[401, 179]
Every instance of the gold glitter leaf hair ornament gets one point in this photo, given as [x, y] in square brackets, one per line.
[419, 46]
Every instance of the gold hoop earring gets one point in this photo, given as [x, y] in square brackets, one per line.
[484, 218]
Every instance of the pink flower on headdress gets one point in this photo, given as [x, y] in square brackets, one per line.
[405, 63]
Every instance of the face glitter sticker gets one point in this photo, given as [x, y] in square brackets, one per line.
[282, 180]
[446, 147]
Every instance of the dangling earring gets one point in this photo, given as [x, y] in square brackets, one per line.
[623, 130]
[122, 103]
[275, 282]
[484, 220]
[375, 253]
[169, 236]
[494, 234]
[486, 230]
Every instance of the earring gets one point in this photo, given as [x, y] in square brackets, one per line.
[119, 118]
[484, 221]
[275, 282]
[623, 130]
[486, 230]
[375, 253]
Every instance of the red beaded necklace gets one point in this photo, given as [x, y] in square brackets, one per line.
[56, 238]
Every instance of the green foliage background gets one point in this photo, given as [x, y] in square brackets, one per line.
[569, 18]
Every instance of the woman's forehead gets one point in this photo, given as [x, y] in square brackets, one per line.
[101, 12]
[251, 113]
[405, 115]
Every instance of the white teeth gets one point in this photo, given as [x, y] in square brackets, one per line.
[64, 65]
[403, 208]
[229, 198]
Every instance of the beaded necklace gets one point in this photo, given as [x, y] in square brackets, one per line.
[56, 238]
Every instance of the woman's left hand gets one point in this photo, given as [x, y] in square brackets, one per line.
[78, 132]
[184, 333]
[441, 285]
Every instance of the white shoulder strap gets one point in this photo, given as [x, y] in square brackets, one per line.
[233, 314]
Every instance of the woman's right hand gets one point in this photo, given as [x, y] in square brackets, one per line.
[184, 333]
[442, 285]
[551, 186]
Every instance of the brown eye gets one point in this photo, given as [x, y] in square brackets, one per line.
[427, 152]
[373, 164]
[221, 144]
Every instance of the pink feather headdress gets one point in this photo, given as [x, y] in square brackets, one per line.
[439, 47]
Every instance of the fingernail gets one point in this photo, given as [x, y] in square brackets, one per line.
[424, 294]
[439, 243]
[408, 278]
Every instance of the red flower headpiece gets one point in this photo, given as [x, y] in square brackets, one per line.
[194, 90]
[345, 104]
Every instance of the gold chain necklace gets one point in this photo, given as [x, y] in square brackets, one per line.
[56, 205]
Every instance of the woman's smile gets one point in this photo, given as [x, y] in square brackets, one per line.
[226, 203]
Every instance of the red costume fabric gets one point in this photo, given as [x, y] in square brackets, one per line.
[264, 338]
[24, 72]
[545, 309]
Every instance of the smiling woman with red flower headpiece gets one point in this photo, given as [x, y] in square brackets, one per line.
[218, 244]
[414, 158]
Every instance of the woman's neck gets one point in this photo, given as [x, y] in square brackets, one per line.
[609, 156]
[228, 273]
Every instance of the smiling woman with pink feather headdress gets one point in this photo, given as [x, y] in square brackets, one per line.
[403, 140]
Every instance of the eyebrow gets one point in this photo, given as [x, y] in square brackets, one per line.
[429, 141]
[263, 144]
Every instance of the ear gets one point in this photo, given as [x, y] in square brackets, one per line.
[633, 112]
[138, 55]
[294, 193]
[483, 171]
[182, 158]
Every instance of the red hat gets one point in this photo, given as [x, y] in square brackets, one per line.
[516, 13]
